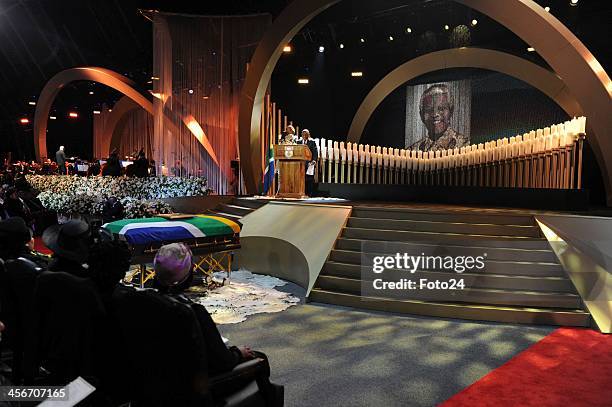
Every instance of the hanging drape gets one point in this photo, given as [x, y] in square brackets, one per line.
[137, 133]
[199, 65]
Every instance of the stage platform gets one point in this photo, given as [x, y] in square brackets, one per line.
[319, 244]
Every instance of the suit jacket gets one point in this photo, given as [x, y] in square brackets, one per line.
[60, 157]
[313, 148]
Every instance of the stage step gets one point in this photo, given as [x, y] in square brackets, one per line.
[238, 208]
[448, 227]
[433, 215]
[543, 254]
[249, 202]
[522, 315]
[522, 280]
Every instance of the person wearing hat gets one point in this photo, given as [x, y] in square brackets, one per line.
[312, 146]
[16, 241]
[173, 274]
[70, 243]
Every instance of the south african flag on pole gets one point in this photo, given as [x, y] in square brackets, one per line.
[154, 230]
[269, 172]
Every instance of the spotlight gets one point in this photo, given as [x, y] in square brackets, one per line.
[390, 38]
[190, 91]
[408, 30]
[573, 3]
[446, 27]
[287, 48]
[321, 48]
[32, 103]
[362, 40]
[91, 92]
[96, 112]
[52, 118]
[356, 74]
[530, 49]
[110, 110]
[154, 78]
[547, 9]
[341, 46]
[73, 115]
[303, 81]
[474, 22]
[25, 120]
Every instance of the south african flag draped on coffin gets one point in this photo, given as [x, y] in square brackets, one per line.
[154, 230]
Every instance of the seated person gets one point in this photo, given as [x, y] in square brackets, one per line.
[16, 241]
[108, 262]
[173, 275]
[70, 243]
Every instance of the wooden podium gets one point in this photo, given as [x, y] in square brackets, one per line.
[291, 160]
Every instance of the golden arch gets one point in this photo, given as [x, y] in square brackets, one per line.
[101, 75]
[562, 50]
[538, 77]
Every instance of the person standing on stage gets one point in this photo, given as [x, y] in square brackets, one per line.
[313, 162]
[60, 159]
[290, 137]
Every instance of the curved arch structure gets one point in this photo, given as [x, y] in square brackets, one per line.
[538, 77]
[563, 51]
[118, 119]
[101, 75]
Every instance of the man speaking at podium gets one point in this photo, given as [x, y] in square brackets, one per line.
[312, 165]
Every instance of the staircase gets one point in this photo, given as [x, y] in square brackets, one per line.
[522, 282]
[237, 208]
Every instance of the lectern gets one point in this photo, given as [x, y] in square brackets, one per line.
[291, 160]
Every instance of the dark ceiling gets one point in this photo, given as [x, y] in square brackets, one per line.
[39, 38]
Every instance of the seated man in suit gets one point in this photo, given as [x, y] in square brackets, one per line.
[315, 156]
[173, 274]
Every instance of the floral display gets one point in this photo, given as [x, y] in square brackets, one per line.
[140, 197]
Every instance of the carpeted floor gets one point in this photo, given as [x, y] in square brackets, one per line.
[570, 367]
[334, 356]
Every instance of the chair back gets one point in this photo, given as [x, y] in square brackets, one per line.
[166, 360]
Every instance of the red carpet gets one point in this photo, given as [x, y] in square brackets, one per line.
[569, 367]
[40, 247]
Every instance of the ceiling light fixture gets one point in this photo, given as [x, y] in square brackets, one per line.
[303, 81]
[474, 22]
[32, 103]
[573, 3]
[446, 27]
[321, 48]
[547, 9]
[96, 112]
[356, 74]
[530, 49]
[25, 120]
[287, 48]
[390, 38]
[341, 46]
[52, 118]
[91, 92]
[190, 91]
[362, 40]
[408, 30]
[73, 115]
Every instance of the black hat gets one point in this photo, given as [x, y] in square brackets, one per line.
[14, 231]
[70, 240]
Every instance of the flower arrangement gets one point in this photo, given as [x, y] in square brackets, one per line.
[140, 197]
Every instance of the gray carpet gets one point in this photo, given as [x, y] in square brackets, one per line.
[335, 356]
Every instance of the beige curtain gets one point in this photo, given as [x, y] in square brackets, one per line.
[199, 66]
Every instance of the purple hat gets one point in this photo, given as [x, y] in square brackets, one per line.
[172, 263]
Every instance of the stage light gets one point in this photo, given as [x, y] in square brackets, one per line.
[91, 92]
[362, 40]
[154, 78]
[190, 91]
[356, 74]
[573, 3]
[446, 27]
[52, 118]
[73, 115]
[530, 49]
[390, 38]
[287, 48]
[474, 22]
[547, 9]
[204, 97]
[96, 112]
[303, 81]
[321, 48]
[341, 46]
[32, 103]
[24, 120]
[408, 30]
[110, 110]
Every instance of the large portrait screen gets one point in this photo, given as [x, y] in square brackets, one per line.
[438, 115]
